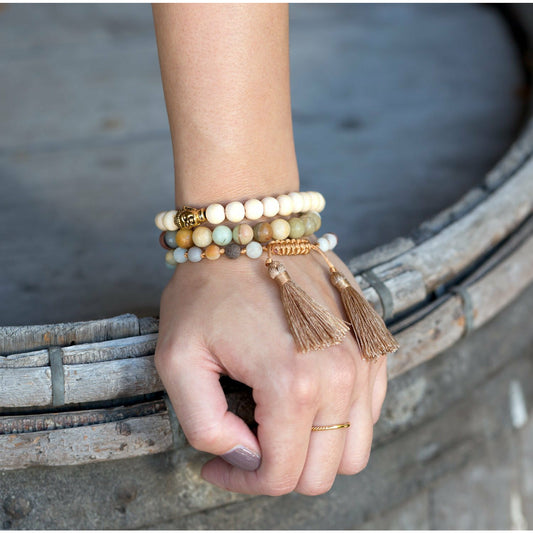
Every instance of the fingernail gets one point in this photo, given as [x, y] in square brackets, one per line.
[242, 457]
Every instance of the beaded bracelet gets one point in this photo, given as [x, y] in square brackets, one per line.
[312, 326]
[262, 232]
[253, 250]
[253, 209]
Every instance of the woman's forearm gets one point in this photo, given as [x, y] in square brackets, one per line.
[225, 72]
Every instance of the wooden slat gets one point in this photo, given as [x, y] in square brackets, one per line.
[111, 379]
[15, 339]
[445, 326]
[22, 387]
[87, 444]
[442, 257]
[26, 359]
[110, 350]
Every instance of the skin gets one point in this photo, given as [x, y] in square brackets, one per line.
[225, 72]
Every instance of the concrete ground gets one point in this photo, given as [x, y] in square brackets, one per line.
[398, 109]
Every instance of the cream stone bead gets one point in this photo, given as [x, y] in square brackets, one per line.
[332, 239]
[235, 211]
[321, 204]
[316, 218]
[202, 236]
[254, 250]
[159, 220]
[285, 205]
[297, 228]
[297, 202]
[253, 209]
[323, 244]
[215, 213]
[280, 228]
[270, 206]
[179, 255]
[315, 201]
[306, 205]
[169, 259]
[243, 233]
[194, 254]
[168, 220]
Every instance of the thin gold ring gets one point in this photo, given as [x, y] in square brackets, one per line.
[326, 428]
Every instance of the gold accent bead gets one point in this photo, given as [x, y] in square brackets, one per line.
[189, 217]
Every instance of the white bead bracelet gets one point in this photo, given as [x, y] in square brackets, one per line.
[253, 209]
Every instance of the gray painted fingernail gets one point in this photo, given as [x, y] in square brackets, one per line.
[242, 457]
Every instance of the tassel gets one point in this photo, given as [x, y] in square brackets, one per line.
[312, 326]
[371, 333]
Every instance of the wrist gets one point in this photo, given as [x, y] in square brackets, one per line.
[227, 179]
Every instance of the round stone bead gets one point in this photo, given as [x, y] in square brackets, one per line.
[169, 258]
[253, 209]
[263, 232]
[285, 205]
[317, 219]
[332, 239]
[202, 236]
[322, 203]
[194, 254]
[306, 198]
[323, 244]
[212, 252]
[280, 228]
[159, 220]
[297, 202]
[235, 211]
[184, 238]
[215, 213]
[162, 241]
[243, 233]
[170, 239]
[179, 255]
[222, 235]
[309, 224]
[297, 228]
[168, 220]
[315, 201]
[254, 250]
[270, 206]
[233, 251]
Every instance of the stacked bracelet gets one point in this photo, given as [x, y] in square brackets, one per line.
[263, 232]
[253, 250]
[253, 209]
[187, 238]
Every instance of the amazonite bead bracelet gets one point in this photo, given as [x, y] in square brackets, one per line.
[262, 232]
[253, 250]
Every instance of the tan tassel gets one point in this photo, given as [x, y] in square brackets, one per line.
[371, 333]
[312, 326]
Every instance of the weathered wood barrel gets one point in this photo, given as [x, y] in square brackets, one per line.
[88, 438]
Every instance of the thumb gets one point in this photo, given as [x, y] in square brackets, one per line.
[200, 404]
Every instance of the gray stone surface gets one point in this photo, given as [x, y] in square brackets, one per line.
[410, 515]
[399, 109]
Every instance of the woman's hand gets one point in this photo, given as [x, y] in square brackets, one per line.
[226, 317]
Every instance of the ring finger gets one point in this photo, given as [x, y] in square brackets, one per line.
[325, 452]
